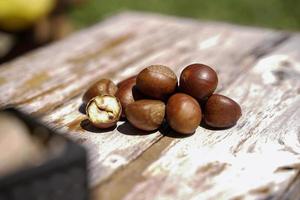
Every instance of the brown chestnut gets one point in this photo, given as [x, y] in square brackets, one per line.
[101, 87]
[221, 111]
[199, 81]
[183, 113]
[127, 80]
[146, 114]
[127, 93]
[104, 111]
[157, 81]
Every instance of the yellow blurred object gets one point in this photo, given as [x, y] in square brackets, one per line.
[16, 15]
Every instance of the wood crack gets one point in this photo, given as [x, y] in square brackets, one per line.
[125, 162]
[258, 53]
[123, 180]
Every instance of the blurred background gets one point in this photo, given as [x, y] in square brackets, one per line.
[28, 24]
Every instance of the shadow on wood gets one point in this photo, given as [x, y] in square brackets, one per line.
[86, 125]
[206, 126]
[128, 129]
[167, 131]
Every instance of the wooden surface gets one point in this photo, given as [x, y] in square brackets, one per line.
[259, 158]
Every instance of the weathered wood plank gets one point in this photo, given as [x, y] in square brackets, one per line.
[100, 50]
[57, 71]
[117, 147]
[57, 75]
[256, 159]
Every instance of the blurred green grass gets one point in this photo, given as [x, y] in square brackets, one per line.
[279, 14]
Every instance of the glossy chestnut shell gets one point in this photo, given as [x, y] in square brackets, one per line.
[199, 81]
[101, 87]
[157, 81]
[146, 114]
[221, 111]
[183, 113]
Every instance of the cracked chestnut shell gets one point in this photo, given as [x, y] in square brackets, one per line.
[199, 81]
[157, 81]
[183, 113]
[146, 114]
[221, 111]
[127, 93]
[101, 87]
[104, 111]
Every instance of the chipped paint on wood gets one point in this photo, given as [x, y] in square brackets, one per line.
[264, 141]
[125, 178]
[207, 165]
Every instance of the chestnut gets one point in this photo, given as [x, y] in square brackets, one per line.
[199, 81]
[157, 81]
[104, 111]
[101, 87]
[146, 114]
[127, 80]
[183, 113]
[127, 92]
[221, 111]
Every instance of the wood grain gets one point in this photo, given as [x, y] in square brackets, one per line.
[120, 145]
[256, 159]
[50, 81]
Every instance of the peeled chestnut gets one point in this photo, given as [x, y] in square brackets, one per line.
[104, 111]
[101, 87]
[146, 114]
[183, 113]
[157, 81]
[127, 93]
[199, 81]
[221, 111]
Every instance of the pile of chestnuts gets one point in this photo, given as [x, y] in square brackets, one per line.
[154, 95]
